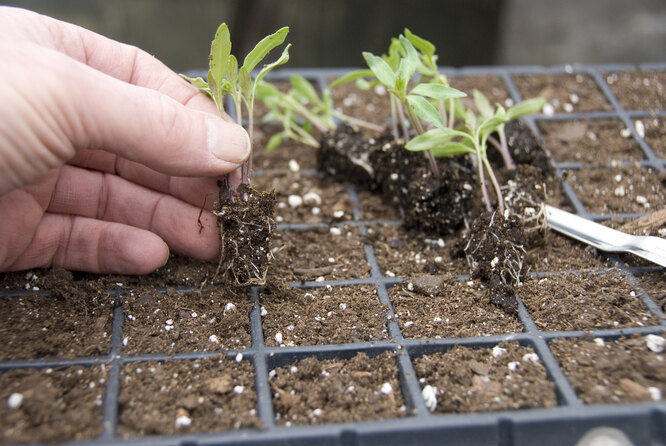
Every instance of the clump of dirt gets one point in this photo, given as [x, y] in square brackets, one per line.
[246, 220]
[426, 202]
[345, 155]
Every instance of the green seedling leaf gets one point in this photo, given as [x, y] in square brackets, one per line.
[395, 53]
[408, 64]
[425, 110]
[490, 125]
[354, 75]
[451, 149]
[381, 69]
[284, 58]
[305, 88]
[527, 107]
[482, 103]
[232, 70]
[439, 141]
[420, 44]
[274, 141]
[437, 91]
[244, 80]
[220, 49]
[264, 47]
[199, 83]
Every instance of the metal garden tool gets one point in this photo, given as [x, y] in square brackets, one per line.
[605, 238]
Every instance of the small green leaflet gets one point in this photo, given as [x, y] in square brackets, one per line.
[264, 47]
[220, 49]
[425, 110]
[199, 83]
[482, 103]
[421, 44]
[381, 69]
[526, 107]
[437, 91]
[357, 74]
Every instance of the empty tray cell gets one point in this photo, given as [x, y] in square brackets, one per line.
[181, 396]
[492, 87]
[330, 315]
[60, 325]
[175, 322]
[372, 105]
[405, 253]
[307, 198]
[508, 376]
[595, 141]
[564, 93]
[621, 190]
[51, 405]
[323, 253]
[432, 307]
[604, 371]
[639, 90]
[312, 391]
[560, 254]
[587, 301]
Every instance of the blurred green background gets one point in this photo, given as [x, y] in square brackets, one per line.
[334, 32]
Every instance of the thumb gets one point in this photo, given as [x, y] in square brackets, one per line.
[59, 106]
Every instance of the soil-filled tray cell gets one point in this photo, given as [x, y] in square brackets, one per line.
[51, 405]
[439, 308]
[506, 377]
[655, 285]
[630, 189]
[60, 325]
[175, 322]
[587, 301]
[639, 90]
[178, 396]
[403, 253]
[607, 371]
[330, 315]
[559, 254]
[601, 141]
[362, 388]
[655, 134]
[372, 105]
[565, 93]
[303, 198]
[492, 87]
[291, 155]
[325, 253]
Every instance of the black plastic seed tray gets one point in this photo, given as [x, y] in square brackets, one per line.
[566, 423]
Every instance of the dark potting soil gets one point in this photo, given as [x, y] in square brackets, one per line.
[335, 252]
[362, 388]
[606, 371]
[246, 220]
[564, 92]
[595, 141]
[373, 207]
[369, 105]
[434, 307]
[506, 377]
[587, 301]
[61, 325]
[180, 396]
[283, 157]
[175, 322]
[54, 405]
[639, 90]
[330, 315]
[629, 189]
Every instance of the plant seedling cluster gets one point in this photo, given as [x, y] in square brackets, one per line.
[244, 215]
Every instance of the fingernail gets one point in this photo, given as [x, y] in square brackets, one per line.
[226, 141]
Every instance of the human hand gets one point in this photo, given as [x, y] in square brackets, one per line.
[106, 155]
